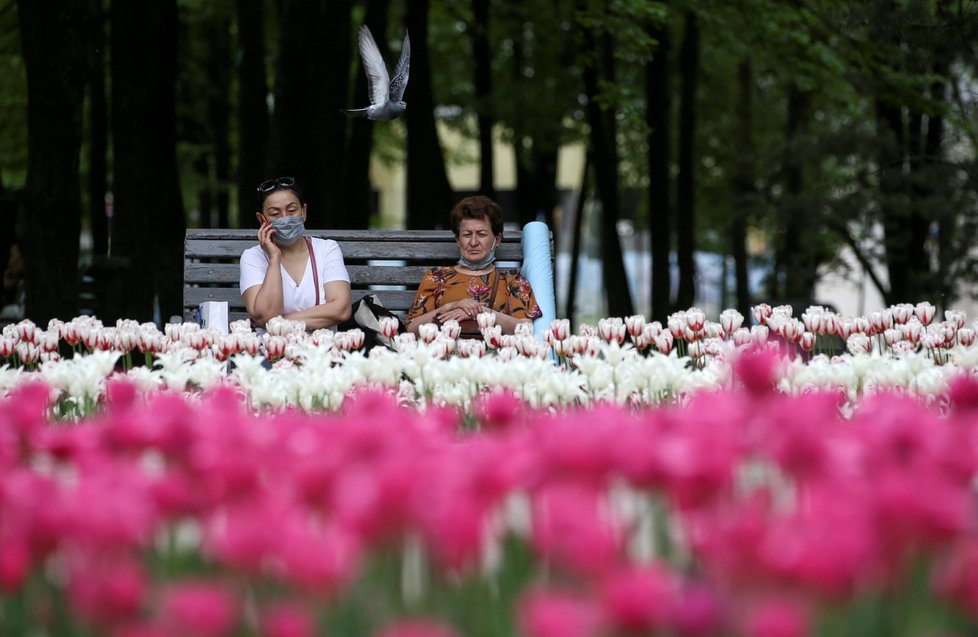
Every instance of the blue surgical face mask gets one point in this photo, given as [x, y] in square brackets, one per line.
[490, 257]
[288, 230]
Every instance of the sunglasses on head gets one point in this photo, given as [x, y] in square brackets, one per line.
[272, 184]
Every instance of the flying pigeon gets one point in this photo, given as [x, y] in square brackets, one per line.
[385, 94]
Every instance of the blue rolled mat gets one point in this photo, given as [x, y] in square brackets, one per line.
[538, 270]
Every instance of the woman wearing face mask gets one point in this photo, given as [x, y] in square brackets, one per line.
[288, 274]
[474, 284]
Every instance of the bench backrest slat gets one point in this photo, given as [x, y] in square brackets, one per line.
[388, 263]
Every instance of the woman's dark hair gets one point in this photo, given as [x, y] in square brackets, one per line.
[477, 207]
[269, 186]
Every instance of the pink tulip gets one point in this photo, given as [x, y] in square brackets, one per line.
[287, 620]
[697, 612]
[570, 531]
[777, 618]
[199, 608]
[108, 591]
[555, 614]
[499, 409]
[640, 600]
[15, 564]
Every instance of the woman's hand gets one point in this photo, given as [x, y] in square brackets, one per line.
[460, 310]
[266, 239]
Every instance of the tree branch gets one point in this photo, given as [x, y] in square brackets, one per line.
[840, 229]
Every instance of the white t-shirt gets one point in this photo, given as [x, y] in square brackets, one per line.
[301, 295]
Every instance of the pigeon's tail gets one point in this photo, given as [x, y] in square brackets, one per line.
[354, 112]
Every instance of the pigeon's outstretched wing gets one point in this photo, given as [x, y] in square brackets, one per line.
[376, 70]
[385, 96]
[399, 83]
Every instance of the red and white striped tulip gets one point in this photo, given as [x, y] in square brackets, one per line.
[275, 346]
[913, 329]
[612, 330]
[451, 329]
[695, 318]
[742, 337]
[902, 312]
[427, 333]
[486, 319]
[635, 325]
[759, 334]
[966, 336]
[664, 342]
[731, 320]
[892, 336]
[958, 317]
[761, 312]
[389, 326]
[807, 341]
[924, 312]
[859, 343]
[7, 346]
[560, 329]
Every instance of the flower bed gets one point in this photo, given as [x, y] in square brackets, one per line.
[622, 361]
[743, 512]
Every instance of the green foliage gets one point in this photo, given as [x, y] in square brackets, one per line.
[13, 100]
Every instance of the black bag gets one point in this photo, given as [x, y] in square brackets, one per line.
[366, 314]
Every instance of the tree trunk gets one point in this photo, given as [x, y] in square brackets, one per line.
[892, 200]
[359, 202]
[148, 224]
[54, 59]
[536, 183]
[686, 180]
[658, 99]
[219, 112]
[799, 256]
[311, 87]
[745, 193]
[945, 220]
[570, 308]
[429, 195]
[605, 161]
[98, 130]
[253, 126]
[482, 56]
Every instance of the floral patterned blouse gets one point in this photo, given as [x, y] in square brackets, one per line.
[441, 286]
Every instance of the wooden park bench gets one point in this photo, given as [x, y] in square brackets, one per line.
[388, 263]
